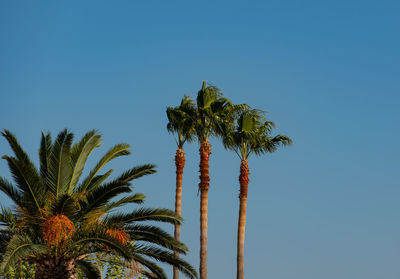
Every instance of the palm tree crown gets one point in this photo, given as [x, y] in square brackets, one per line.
[59, 220]
[181, 121]
[212, 110]
[251, 134]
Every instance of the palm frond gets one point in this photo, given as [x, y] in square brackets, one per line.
[93, 240]
[103, 194]
[21, 247]
[137, 198]
[28, 183]
[144, 214]
[60, 168]
[155, 235]
[94, 183]
[166, 257]
[137, 172]
[7, 218]
[20, 154]
[156, 271]
[79, 155]
[90, 269]
[13, 193]
[114, 152]
[44, 154]
[65, 204]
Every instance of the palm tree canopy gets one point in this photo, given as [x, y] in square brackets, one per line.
[57, 213]
[180, 120]
[212, 110]
[251, 133]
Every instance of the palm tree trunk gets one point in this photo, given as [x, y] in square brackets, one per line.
[205, 151]
[244, 182]
[180, 164]
[52, 268]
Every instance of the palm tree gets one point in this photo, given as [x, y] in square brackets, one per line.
[180, 122]
[59, 222]
[211, 111]
[250, 135]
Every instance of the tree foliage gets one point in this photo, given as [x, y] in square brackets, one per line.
[57, 214]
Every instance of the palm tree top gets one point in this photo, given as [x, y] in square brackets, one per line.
[180, 121]
[251, 133]
[56, 213]
[212, 110]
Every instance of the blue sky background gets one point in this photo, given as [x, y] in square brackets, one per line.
[327, 72]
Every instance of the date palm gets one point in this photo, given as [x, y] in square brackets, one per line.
[211, 111]
[59, 221]
[180, 123]
[251, 134]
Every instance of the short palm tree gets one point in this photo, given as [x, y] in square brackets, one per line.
[251, 134]
[60, 221]
[180, 123]
[211, 111]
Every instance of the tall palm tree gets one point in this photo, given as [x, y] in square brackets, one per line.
[60, 221]
[211, 111]
[180, 122]
[251, 134]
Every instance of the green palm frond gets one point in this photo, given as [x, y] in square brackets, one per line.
[137, 198]
[166, 257]
[7, 218]
[155, 235]
[137, 172]
[156, 271]
[65, 204]
[95, 182]
[20, 154]
[102, 195]
[5, 237]
[28, 183]
[90, 269]
[13, 193]
[79, 155]
[19, 247]
[60, 167]
[44, 154]
[93, 241]
[144, 214]
[114, 152]
[24, 172]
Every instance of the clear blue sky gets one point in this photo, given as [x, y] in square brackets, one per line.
[327, 72]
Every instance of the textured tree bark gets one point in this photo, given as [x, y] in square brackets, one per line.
[205, 151]
[180, 164]
[244, 182]
[51, 268]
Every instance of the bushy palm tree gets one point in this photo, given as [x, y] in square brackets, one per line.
[211, 111]
[251, 134]
[180, 123]
[59, 221]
